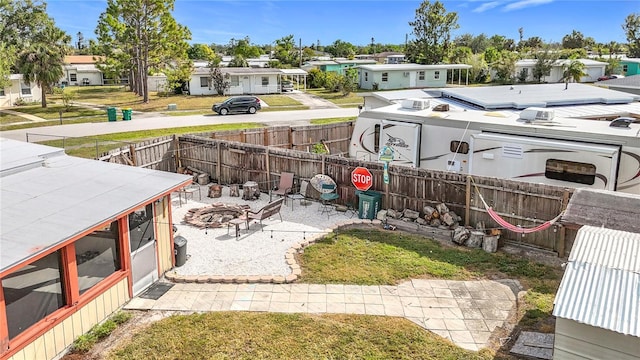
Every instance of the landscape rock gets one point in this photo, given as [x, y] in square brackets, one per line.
[460, 235]
[475, 239]
[435, 222]
[490, 244]
[393, 214]
[447, 219]
[381, 215]
[442, 208]
[408, 213]
[421, 221]
[430, 213]
[406, 219]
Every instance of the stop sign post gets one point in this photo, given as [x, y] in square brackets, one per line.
[361, 178]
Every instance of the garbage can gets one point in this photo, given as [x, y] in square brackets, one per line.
[126, 114]
[180, 250]
[111, 113]
[368, 204]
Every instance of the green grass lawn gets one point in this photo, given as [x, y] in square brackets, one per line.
[243, 335]
[351, 100]
[52, 111]
[92, 146]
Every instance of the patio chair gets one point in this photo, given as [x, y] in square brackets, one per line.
[328, 197]
[285, 186]
[301, 195]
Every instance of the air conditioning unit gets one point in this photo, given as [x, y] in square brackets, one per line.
[405, 74]
[415, 104]
[537, 114]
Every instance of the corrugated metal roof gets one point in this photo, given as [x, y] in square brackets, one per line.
[49, 197]
[293, 71]
[601, 283]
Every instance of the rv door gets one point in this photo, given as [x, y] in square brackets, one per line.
[404, 138]
[547, 161]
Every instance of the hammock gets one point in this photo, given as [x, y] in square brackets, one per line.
[515, 228]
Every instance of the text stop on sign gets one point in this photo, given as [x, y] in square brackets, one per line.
[361, 178]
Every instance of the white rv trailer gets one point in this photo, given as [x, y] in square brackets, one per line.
[532, 146]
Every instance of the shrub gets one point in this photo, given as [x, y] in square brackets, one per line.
[67, 98]
[85, 342]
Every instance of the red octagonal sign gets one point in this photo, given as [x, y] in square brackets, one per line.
[361, 178]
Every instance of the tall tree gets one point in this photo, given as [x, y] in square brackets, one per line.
[41, 62]
[20, 20]
[432, 29]
[141, 36]
[631, 29]
[543, 65]
[285, 51]
[505, 66]
[243, 47]
[200, 52]
[341, 48]
[575, 40]
[572, 71]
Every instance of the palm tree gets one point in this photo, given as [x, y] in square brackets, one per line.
[43, 59]
[572, 72]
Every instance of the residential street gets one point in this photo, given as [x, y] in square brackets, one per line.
[163, 122]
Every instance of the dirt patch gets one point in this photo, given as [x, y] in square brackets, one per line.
[138, 322]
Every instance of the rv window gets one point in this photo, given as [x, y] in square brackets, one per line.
[460, 147]
[385, 76]
[376, 138]
[571, 171]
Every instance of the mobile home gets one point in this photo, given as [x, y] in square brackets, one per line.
[533, 145]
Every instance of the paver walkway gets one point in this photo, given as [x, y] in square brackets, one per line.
[465, 312]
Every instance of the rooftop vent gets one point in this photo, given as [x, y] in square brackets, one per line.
[415, 104]
[623, 122]
[537, 114]
[441, 107]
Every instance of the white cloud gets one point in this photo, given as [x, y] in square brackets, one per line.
[524, 4]
[486, 6]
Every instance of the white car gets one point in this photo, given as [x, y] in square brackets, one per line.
[287, 86]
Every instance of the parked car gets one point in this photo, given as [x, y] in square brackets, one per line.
[287, 86]
[609, 77]
[238, 104]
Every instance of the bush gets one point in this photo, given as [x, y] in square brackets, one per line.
[85, 342]
[67, 98]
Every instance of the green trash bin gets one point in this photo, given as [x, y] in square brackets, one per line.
[126, 114]
[111, 113]
[369, 203]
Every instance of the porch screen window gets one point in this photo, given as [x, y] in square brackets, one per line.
[436, 75]
[73, 77]
[204, 81]
[33, 292]
[25, 89]
[141, 228]
[420, 75]
[581, 173]
[235, 80]
[265, 81]
[97, 256]
[385, 76]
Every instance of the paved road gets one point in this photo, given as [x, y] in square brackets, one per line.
[165, 122]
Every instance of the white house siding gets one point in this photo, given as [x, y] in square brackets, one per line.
[402, 79]
[593, 69]
[157, 83]
[53, 343]
[247, 84]
[14, 92]
[574, 340]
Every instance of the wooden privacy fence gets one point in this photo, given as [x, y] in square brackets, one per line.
[520, 203]
[229, 161]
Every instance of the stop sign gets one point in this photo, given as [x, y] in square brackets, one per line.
[361, 178]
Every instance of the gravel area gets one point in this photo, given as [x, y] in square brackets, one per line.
[255, 252]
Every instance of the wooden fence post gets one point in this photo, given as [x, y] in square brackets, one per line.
[268, 171]
[132, 153]
[563, 231]
[177, 152]
[290, 138]
[265, 137]
[219, 162]
[467, 207]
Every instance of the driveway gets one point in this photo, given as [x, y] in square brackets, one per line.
[312, 101]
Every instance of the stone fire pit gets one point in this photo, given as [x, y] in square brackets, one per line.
[214, 216]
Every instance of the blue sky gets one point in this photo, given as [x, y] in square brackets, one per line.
[358, 21]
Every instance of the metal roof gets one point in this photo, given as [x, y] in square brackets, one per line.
[601, 283]
[417, 67]
[49, 197]
[293, 72]
[538, 95]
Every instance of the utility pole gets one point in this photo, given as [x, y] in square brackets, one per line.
[300, 42]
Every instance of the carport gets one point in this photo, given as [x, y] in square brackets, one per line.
[296, 73]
